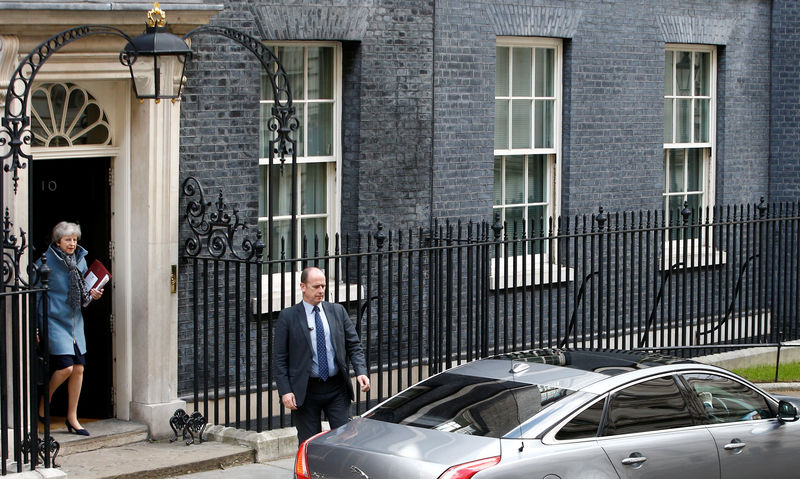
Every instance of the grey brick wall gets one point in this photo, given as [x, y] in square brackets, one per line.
[785, 104]
[418, 110]
[418, 102]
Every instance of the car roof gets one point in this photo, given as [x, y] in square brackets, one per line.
[572, 369]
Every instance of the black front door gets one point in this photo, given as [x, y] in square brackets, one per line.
[77, 190]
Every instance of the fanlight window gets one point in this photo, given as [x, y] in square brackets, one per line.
[64, 114]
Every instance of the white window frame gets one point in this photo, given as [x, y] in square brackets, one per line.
[531, 262]
[333, 161]
[700, 252]
[333, 186]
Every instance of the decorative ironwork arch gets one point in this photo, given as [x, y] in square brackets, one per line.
[16, 123]
[283, 120]
[217, 232]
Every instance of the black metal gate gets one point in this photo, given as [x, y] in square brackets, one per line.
[24, 360]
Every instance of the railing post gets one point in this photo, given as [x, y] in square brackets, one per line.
[497, 228]
[44, 343]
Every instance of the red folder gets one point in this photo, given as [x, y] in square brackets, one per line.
[96, 276]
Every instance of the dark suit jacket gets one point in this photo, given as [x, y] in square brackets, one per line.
[294, 354]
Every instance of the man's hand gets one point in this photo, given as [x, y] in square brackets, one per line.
[363, 381]
[288, 401]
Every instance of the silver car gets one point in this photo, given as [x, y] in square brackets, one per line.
[551, 414]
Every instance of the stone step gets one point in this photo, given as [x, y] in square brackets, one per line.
[105, 433]
[154, 460]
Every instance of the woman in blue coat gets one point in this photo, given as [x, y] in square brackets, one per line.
[67, 295]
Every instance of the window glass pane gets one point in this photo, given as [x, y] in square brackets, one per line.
[545, 72]
[701, 120]
[498, 180]
[522, 71]
[515, 179]
[266, 86]
[536, 178]
[674, 207]
[668, 72]
[521, 124]
[280, 190]
[464, 404]
[694, 203]
[695, 173]
[537, 220]
[501, 124]
[544, 123]
[280, 240]
[313, 188]
[537, 227]
[668, 120]
[725, 400]
[515, 219]
[292, 60]
[584, 424]
[265, 135]
[677, 164]
[320, 73]
[262, 188]
[702, 73]
[312, 233]
[649, 406]
[683, 130]
[501, 74]
[683, 73]
[320, 129]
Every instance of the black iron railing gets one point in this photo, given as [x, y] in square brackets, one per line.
[426, 300]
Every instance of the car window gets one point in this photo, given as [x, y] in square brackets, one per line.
[647, 406]
[726, 400]
[586, 424]
[466, 404]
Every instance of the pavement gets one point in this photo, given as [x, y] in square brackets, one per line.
[282, 468]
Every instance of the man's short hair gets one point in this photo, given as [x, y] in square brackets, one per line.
[304, 273]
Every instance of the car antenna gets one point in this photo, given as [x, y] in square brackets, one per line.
[515, 369]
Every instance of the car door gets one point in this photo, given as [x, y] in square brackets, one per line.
[750, 441]
[649, 432]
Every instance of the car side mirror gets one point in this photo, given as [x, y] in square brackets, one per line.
[787, 412]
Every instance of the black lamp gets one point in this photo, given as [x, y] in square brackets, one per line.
[156, 60]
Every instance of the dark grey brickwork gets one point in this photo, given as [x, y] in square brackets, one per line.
[418, 102]
[785, 105]
[418, 109]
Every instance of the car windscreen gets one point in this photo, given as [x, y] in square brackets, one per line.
[467, 404]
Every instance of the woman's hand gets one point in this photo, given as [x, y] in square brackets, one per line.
[95, 293]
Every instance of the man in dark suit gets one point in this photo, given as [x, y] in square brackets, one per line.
[314, 340]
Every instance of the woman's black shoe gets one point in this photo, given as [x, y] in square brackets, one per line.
[80, 432]
[41, 419]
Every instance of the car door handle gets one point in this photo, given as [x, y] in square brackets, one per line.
[634, 459]
[734, 445]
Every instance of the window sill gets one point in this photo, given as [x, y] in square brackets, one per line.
[533, 274]
[701, 257]
[281, 293]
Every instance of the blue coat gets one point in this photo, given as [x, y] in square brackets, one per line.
[65, 324]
